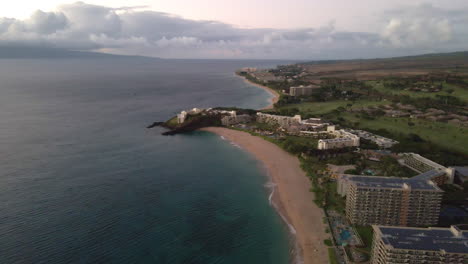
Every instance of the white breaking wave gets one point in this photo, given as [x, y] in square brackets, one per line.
[235, 145]
[272, 186]
[295, 251]
[232, 143]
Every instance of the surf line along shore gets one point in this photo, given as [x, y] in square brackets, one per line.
[275, 94]
[292, 195]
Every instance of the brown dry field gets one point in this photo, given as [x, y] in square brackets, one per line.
[378, 68]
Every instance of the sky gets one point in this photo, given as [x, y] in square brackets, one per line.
[250, 29]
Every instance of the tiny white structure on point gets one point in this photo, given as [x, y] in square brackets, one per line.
[181, 117]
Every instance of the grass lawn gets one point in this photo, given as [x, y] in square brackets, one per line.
[172, 122]
[458, 92]
[331, 256]
[366, 233]
[318, 108]
[443, 134]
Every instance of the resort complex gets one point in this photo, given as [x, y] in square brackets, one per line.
[394, 245]
[388, 193]
[392, 203]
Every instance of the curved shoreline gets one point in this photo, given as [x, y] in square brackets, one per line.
[275, 94]
[291, 196]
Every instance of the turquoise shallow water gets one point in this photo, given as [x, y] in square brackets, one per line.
[83, 181]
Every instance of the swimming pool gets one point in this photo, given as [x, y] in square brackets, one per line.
[344, 236]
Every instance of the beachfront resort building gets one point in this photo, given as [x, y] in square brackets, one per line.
[234, 119]
[342, 139]
[296, 125]
[395, 245]
[303, 90]
[182, 116]
[390, 200]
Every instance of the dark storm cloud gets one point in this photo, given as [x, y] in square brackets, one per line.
[130, 31]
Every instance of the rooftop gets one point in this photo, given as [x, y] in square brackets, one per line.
[393, 182]
[451, 240]
[462, 170]
[429, 174]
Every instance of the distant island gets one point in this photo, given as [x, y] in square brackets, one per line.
[353, 145]
[27, 52]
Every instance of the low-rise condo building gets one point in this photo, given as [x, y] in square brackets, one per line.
[342, 139]
[313, 124]
[390, 200]
[423, 165]
[395, 245]
[382, 142]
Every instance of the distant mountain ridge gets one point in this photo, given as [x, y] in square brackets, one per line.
[23, 52]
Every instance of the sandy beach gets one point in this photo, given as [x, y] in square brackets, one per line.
[275, 94]
[291, 196]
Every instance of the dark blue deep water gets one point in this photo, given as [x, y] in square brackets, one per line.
[83, 181]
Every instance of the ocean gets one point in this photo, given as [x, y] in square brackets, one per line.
[83, 181]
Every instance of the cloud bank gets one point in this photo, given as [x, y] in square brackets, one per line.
[128, 30]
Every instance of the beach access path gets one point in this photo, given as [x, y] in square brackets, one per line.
[292, 195]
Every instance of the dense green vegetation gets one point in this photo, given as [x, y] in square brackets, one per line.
[298, 145]
[333, 200]
[387, 166]
[325, 189]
